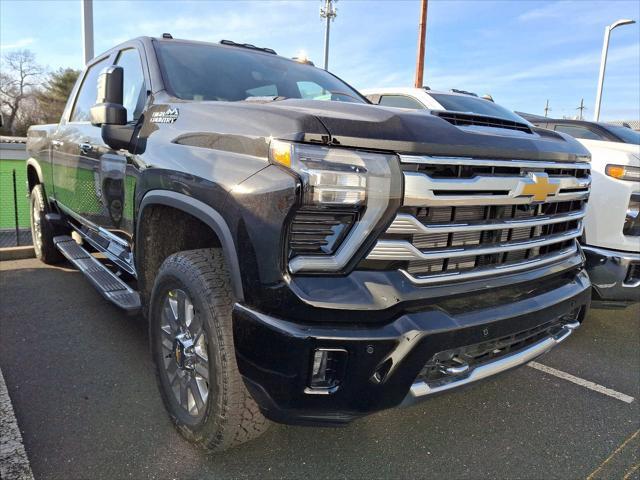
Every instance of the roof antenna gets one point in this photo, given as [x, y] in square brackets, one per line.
[167, 35]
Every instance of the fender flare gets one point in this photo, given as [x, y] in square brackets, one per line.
[32, 162]
[208, 216]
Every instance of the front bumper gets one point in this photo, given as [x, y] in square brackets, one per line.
[383, 361]
[613, 274]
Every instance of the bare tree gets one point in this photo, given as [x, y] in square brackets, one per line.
[20, 77]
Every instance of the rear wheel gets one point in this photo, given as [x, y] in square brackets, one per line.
[42, 231]
[193, 351]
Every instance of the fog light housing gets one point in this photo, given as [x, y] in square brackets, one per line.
[327, 370]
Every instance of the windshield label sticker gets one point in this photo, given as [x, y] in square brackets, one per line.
[170, 115]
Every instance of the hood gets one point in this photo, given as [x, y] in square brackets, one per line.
[420, 132]
[371, 127]
[613, 152]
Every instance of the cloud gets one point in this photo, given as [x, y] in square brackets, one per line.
[22, 43]
[512, 74]
[573, 13]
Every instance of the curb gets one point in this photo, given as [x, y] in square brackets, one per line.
[17, 253]
[14, 462]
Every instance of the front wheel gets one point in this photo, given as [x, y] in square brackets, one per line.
[192, 347]
[42, 231]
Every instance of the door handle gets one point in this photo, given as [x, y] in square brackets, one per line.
[56, 143]
[86, 148]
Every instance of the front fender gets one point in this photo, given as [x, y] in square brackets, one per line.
[209, 216]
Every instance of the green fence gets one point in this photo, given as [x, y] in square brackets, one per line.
[14, 203]
[12, 198]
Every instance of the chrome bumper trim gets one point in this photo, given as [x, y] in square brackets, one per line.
[421, 389]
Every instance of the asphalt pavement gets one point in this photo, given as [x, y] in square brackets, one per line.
[80, 378]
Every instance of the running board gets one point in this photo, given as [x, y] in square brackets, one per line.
[108, 284]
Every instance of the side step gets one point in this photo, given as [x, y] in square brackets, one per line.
[108, 284]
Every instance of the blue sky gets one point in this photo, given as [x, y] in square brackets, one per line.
[521, 52]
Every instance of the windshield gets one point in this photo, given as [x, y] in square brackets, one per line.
[210, 72]
[625, 134]
[479, 106]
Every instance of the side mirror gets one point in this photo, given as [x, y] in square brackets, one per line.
[108, 109]
[109, 113]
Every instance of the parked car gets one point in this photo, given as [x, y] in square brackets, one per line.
[299, 253]
[612, 224]
[426, 99]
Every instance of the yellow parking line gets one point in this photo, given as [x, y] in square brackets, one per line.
[627, 475]
[616, 451]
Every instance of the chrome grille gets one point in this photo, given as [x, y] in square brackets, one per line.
[469, 218]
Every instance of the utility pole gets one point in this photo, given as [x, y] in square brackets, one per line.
[329, 12]
[422, 33]
[87, 29]
[603, 62]
[547, 109]
[581, 108]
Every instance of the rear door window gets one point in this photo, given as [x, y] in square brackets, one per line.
[577, 131]
[400, 101]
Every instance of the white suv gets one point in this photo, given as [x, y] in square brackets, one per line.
[427, 99]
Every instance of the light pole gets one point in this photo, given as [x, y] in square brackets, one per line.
[328, 12]
[87, 30]
[603, 63]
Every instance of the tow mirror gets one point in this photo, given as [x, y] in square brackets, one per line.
[109, 113]
[108, 109]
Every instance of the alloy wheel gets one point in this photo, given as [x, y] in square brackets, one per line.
[184, 352]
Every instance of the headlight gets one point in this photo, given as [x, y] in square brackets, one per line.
[346, 195]
[632, 218]
[623, 173]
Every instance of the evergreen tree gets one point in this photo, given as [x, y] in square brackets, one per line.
[55, 92]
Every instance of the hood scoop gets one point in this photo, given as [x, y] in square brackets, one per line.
[469, 119]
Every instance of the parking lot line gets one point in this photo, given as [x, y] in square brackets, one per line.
[14, 463]
[583, 383]
[627, 475]
[610, 457]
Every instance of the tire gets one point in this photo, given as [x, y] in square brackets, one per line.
[190, 317]
[42, 231]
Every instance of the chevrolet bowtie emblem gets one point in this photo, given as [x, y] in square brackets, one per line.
[541, 187]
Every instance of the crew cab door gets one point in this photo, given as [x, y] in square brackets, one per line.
[75, 146]
[117, 169]
[94, 182]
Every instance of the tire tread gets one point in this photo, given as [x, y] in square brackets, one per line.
[238, 418]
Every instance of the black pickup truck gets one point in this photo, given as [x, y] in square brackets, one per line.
[300, 254]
